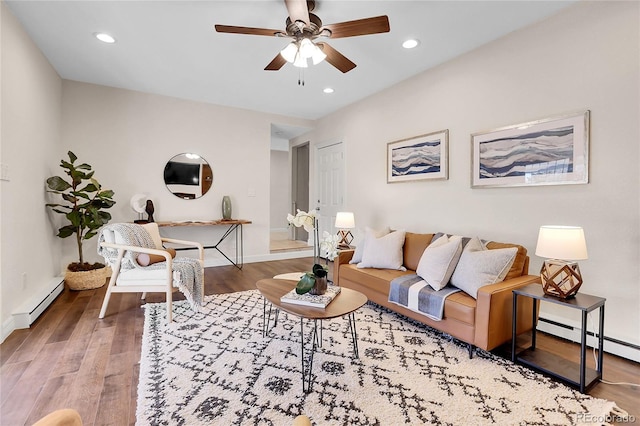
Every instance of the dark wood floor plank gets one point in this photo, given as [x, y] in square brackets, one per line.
[23, 396]
[69, 320]
[115, 401]
[43, 328]
[12, 343]
[78, 341]
[93, 366]
[84, 395]
[50, 397]
[11, 373]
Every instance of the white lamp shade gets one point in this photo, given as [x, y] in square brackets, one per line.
[345, 220]
[289, 52]
[561, 242]
[300, 62]
[306, 48]
[318, 55]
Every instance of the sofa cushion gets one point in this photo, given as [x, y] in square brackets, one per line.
[458, 306]
[479, 266]
[384, 252]
[368, 233]
[517, 268]
[414, 246]
[375, 279]
[439, 260]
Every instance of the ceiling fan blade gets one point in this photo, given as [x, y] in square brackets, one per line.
[298, 10]
[276, 63]
[376, 25]
[336, 58]
[247, 30]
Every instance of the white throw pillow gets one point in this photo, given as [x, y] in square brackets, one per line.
[439, 260]
[369, 233]
[384, 252]
[479, 266]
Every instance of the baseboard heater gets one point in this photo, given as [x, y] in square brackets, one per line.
[26, 314]
[614, 346]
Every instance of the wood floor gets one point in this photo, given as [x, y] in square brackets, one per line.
[70, 358]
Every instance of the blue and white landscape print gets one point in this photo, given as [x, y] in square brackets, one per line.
[419, 159]
[545, 152]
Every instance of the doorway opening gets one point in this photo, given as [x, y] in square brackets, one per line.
[289, 189]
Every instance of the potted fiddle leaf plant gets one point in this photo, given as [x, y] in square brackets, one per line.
[83, 204]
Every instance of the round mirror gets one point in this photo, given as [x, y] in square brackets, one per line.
[188, 176]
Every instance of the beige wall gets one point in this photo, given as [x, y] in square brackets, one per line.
[30, 142]
[129, 136]
[585, 58]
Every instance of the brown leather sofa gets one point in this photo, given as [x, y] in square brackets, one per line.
[484, 323]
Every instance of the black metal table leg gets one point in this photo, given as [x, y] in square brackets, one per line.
[583, 351]
[514, 327]
[307, 374]
[354, 334]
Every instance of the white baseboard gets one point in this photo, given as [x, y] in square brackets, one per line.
[26, 314]
[572, 332]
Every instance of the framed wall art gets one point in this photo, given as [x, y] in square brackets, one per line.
[417, 158]
[553, 151]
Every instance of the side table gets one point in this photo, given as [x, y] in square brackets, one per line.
[575, 374]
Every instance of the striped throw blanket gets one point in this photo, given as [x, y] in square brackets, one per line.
[414, 293]
[187, 272]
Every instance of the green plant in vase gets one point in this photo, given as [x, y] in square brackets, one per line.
[83, 202]
[314, 282]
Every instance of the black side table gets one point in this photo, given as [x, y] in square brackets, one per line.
[575, 374]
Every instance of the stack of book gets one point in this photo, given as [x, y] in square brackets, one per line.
[314, 300]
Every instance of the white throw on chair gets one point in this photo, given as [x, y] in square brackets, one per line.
[122, 244]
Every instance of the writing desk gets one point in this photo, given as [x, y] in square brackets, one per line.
[234, 226]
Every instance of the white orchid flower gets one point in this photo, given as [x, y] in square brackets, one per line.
[329, 245]
[305, 219]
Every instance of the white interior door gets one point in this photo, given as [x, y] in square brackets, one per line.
[330, 178]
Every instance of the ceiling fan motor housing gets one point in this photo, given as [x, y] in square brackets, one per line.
[297, 30]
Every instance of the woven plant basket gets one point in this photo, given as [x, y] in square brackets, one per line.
[87, 280]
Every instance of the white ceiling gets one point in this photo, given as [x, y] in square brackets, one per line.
[170, 47]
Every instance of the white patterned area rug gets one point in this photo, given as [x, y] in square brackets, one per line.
[215, 368]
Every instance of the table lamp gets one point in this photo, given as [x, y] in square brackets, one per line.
[562, 246]
[344, 222]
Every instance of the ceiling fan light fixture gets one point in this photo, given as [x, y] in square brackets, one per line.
[307, 48]
[290, 52]
[318, 55]
[300, 62]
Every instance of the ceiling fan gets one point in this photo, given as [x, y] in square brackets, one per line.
[304, 28]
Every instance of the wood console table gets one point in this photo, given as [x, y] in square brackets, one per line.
[234, 225]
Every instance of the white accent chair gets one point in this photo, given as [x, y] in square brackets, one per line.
[138, 280]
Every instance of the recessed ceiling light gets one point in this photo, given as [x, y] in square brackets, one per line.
[328, 90]
[410, 44]
[104, 37]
